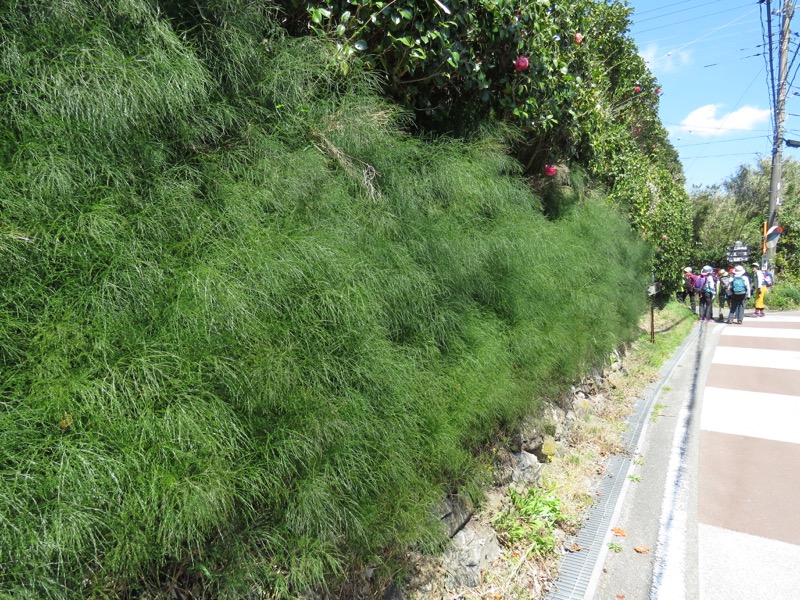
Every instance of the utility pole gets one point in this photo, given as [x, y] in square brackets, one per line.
[780, 117]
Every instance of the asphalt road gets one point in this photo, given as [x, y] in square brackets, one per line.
[711, 509]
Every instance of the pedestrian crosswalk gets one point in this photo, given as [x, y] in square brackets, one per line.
[749, 463]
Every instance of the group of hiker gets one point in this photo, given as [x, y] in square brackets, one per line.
[732, 287]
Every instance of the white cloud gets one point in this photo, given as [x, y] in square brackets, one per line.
[704, 121]
[665, 62]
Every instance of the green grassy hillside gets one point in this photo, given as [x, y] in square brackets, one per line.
[250, 330]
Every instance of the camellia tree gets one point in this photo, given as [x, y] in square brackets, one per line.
[566, 75]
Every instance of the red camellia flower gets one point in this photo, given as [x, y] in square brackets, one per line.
[550, 170]
[637, 89]
[521, 63]
[658, 90]
[579, 38]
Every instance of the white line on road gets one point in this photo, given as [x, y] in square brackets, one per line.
[754, 414]
[771, 564]
[735, 331]
[757, 357]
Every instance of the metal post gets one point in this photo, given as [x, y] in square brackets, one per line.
[652, 323]
[780, 117]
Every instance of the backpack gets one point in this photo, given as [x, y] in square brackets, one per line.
[769, 280]
[699, 283]
[738, 285]
[709, 284]
[726, 285]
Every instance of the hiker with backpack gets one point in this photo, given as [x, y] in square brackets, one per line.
[724, 291]
[740, 292]
[707, 288]
[761, 281]
[688, 288]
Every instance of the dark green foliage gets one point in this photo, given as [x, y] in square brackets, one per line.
[737, 209]
[586, 98]
[249, 332]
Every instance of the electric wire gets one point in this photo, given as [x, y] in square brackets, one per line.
[678, 11]
[752, 137]
[767, 36]
[702, 37]
[663, 7]
[702, 156]
[695, 19]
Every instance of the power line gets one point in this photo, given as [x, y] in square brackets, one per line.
[663, 7]
[732, 60]
[676, 12]
[767, 37]
[703, 36]
[696, 19]
[752, 137]
[673, 37]
[701, 156]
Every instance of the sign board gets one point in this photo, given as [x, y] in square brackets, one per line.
[738, 253]
[652, 290]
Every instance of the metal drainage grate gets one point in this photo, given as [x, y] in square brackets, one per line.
[577, 568]
[580, 571]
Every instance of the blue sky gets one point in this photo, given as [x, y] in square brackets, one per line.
[711, 61]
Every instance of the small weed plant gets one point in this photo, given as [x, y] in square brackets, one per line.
[531, 520]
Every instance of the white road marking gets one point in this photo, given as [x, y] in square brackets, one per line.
[754, 414]
[738, 331]
[764, 569]
[757, 357]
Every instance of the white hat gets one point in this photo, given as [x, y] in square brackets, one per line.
[687, 270]
[738, 270]
[707, 269]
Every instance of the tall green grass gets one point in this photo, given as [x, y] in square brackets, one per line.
[250, 332]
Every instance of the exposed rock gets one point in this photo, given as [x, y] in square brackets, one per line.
[394, 593]
[528, 468]
[555, 421]
[454, 512]
[472, 552]
[504, 466]
[528, 437]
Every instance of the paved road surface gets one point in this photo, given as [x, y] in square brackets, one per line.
[715, 493]
[749, 470]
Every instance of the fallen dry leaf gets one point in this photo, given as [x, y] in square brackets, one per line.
[574, 548]
[620, 596]
[618, 531]
[642, 549]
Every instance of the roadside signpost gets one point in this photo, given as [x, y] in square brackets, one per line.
[738, 253]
